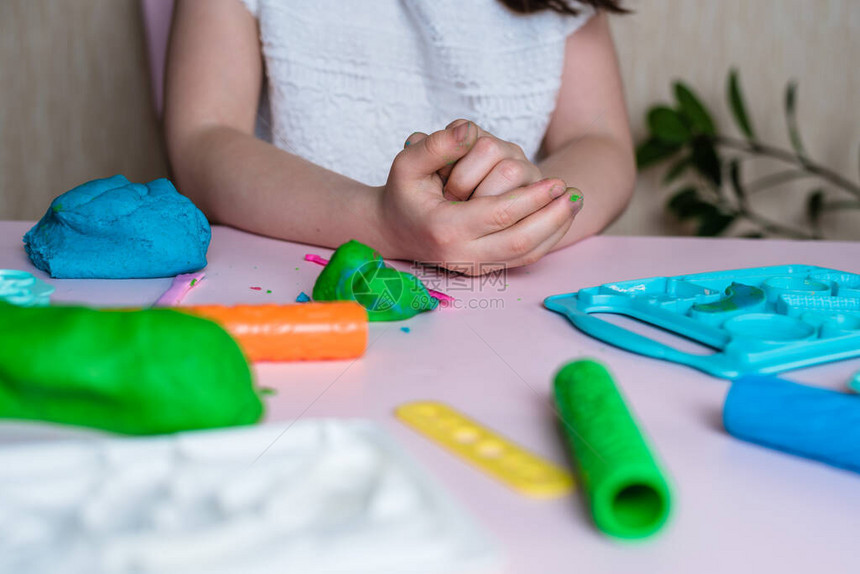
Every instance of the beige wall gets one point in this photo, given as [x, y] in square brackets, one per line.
[75, 101]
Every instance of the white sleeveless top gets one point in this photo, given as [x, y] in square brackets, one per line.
[349, 80]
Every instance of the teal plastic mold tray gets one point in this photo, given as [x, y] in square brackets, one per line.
[757, 320]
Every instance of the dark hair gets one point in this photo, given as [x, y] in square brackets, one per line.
[562, 6]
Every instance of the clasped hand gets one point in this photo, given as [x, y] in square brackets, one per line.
[468, 201]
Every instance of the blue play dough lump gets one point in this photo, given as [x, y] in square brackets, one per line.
[114, 229]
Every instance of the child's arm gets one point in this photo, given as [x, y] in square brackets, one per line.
[214, 77]
[587, 143]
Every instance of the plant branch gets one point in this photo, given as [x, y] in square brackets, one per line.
[845, 204]
[777, 178]
[789, 157]
[770, 226]
[745, 211]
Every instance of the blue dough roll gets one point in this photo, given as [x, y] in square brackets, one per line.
[807, 421]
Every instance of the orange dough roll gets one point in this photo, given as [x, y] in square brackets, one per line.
[301, 332]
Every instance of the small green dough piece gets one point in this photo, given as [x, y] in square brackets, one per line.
[739, 297]
[134, 372]
[357, 273]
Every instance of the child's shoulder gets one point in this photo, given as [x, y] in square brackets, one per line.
[435, 17]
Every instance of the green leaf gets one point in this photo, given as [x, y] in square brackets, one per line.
[694, 110]
[735, 178]
[686, 203]
[791, 120]
[814, 208]
[736, 102]
[714, 222]
[707, 162]
[653, 151]
[667, 125]
[677, 170]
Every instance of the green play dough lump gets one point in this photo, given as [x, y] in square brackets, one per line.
[135, 372]
[356, 272]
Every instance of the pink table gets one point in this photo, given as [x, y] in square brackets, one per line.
[739, 507]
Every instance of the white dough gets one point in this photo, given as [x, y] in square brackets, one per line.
[327, 496]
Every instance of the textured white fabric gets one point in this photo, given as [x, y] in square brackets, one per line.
[349, 80]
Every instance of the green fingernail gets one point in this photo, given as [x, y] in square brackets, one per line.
[575, 194]
[408, 143]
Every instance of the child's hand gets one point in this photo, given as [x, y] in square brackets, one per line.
[492, 166]
[477, 236]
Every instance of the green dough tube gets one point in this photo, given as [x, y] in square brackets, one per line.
[627, 491]
[133, 372]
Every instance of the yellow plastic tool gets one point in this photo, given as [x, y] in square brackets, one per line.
[497, 456]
